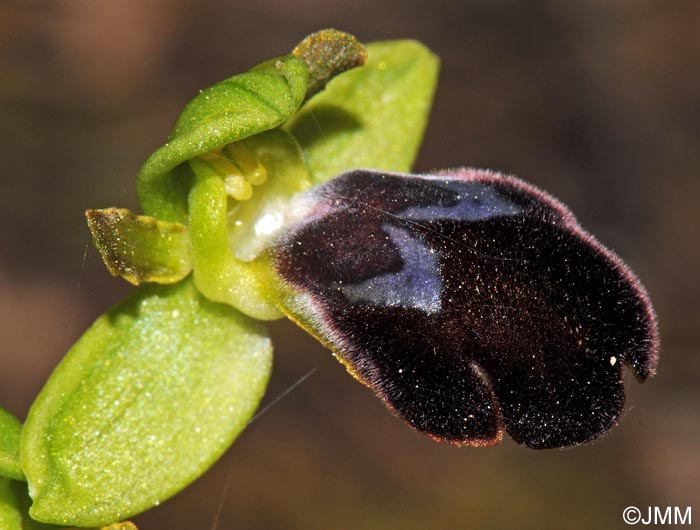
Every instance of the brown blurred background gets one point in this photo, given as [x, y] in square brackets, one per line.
[596, 101]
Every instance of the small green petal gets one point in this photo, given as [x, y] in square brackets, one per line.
[148, 398]
[140, 248]
[10, 432]
[371, 117]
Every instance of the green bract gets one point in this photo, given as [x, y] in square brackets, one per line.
[161, 384]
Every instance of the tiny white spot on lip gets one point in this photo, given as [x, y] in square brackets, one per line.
[268, 224]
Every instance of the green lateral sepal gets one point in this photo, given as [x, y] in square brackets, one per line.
[149, 397]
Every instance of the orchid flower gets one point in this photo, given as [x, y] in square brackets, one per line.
[470, 302]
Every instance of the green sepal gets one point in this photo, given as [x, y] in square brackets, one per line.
[10, 433]
[147, 399]
[230, 110]
[239, 107]
[140, 248]
[371, 117]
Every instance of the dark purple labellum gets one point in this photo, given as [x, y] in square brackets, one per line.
[470, 303]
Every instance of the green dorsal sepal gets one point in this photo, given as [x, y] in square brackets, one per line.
[239, 107]
[149, 397]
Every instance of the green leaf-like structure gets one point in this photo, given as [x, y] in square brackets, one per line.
[147, 399]
[10, 432]
[371, 117]
[230, 110]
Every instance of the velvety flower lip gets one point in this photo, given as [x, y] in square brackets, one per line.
[470, 302]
